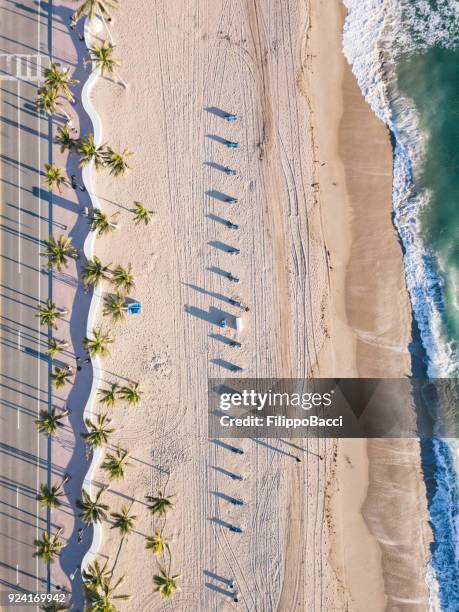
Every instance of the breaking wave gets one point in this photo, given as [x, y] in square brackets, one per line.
[377, 34]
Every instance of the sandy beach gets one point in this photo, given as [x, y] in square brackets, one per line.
[310, 239]
[378, 483]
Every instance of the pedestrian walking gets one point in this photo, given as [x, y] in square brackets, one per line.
[75, 185]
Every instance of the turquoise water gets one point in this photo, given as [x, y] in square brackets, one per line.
[431, 80]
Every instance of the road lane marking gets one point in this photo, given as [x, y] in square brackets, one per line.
[17, 497]
[19, 178]
[19, 348]
[17, 573]
[39, 125]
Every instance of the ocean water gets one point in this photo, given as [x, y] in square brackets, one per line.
[405, 55]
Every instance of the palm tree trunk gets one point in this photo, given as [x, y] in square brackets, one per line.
[65, 113]
[170, 559]
[106, 27]
[121, 80]
[117, 556]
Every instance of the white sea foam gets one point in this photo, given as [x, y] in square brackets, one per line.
[376, 33]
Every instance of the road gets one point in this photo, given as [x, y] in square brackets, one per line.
[24, 51]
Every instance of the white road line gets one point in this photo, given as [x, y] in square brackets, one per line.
[19, 339]
[39, 330]
[38, 25]
[17, 573]
[17, 497]
[19, 178]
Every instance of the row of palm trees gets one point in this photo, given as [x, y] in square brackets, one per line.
[100, 589]
[103, 156]
[94, 510]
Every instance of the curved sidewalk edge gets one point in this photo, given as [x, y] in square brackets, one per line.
[91, 28]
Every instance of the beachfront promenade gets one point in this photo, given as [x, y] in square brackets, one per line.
[24, 146]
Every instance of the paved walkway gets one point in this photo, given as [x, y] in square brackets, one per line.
[68, 450]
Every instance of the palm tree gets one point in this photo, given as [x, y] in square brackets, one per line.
[98, 344]
[49, 422]
[59, 79]
[101, 224]
[92, 510]
[117, 161]
[58, 252]
[156, 543]
[48, 313]
[65, 139]
[98, 433]
[48, 548]
[101, 56]
[47, 102]
[141, 213]
[60, 377]
[94, 272]
[101, 601]
[115, 306]
[101, 8]
[55, 177]
[115, 464]
[109, 395]
[123, 279]
[88, 152]
[165, 583]
[131, 393]
[49, 496]
[123, 521]
[55, 606]
[160, 504]
[94, 575]
[55, 346]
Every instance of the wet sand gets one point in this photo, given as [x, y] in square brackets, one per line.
[378, 509]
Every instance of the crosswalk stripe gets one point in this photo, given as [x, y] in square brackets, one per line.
[22, 67]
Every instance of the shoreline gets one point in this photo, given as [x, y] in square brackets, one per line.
[356, 194]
